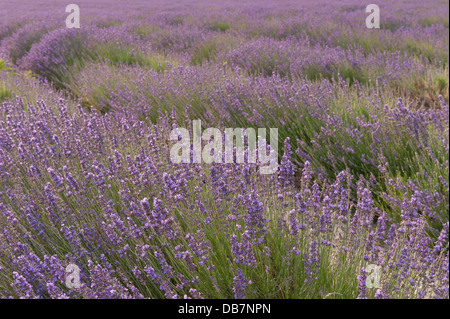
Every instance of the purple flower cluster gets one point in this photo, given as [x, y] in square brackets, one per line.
[86, 177]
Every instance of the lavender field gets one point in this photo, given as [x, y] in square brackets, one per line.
[87, 180]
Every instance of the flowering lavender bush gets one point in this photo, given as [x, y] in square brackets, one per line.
[86, 177]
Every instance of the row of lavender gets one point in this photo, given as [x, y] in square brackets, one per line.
[100, 192]
[363, 175]
[290, 41]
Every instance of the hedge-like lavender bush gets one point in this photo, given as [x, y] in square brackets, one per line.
[86, 176]
[100, 192]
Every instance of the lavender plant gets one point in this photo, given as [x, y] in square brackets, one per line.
[86, 177]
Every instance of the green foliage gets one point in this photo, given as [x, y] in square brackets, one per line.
[433, 20]
[4, 66]
[218, 26]
[205, 52]
[4, 93]
[128, 56]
